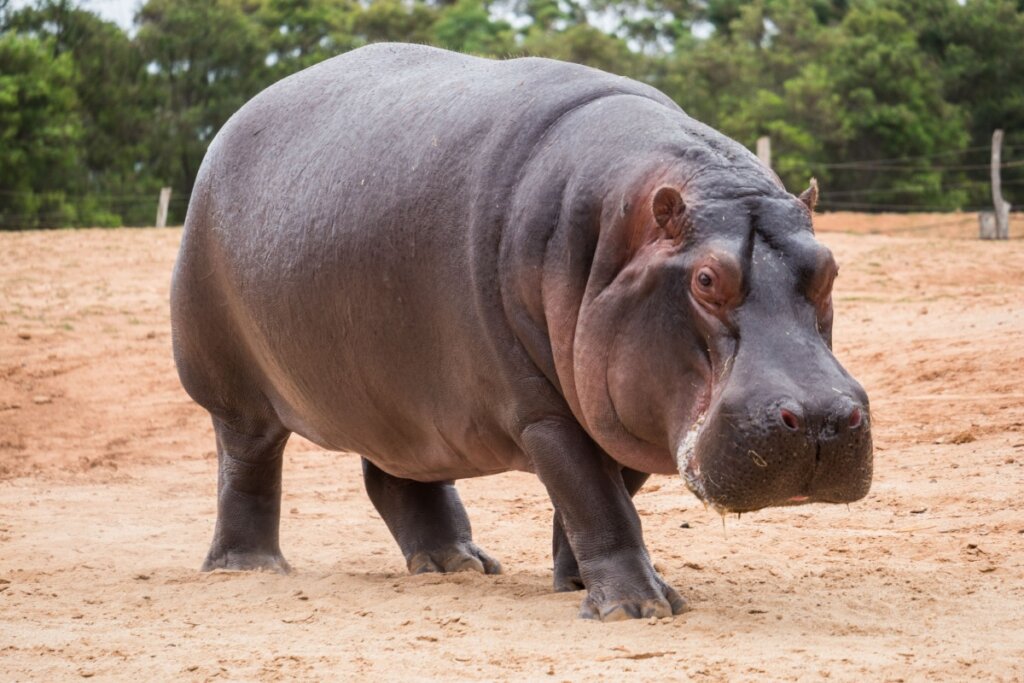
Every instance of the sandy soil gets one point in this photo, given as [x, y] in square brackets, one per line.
[107, 478]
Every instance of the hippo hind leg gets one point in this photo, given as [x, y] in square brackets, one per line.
[248, 497]
[428, 522]
[567, 570]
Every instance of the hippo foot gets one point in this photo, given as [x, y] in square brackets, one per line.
[239, 560]
[568, 581]
[616, 605]
[459, 557]
[567, 571]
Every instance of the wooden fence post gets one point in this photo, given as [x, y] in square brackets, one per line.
[987, 225]
[1002, 208]
[764, 150]
[161, 207]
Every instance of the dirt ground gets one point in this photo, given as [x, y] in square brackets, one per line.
[107, 479]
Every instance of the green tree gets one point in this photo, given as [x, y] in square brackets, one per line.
[394, 20]
[765, 75]
[113, 96]
[585, 44]
[978, 44]
[206, 59]
[300, 33]
[894, 107]
[561, 30]
[40, 131]
[834, 97]
[468, 27]
[90, 114]
[655, 27]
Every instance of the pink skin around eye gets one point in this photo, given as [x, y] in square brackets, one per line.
[722, 287]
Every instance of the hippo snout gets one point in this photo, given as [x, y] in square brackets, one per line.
[844, 413]
[783, 452]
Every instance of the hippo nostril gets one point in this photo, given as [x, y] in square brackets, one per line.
[856, 418]
[789, 419]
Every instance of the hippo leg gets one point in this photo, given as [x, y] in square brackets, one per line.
[600, 523]
[567, 571]
[429, 523]
[248, 499]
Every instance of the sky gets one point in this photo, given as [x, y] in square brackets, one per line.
[120, 11]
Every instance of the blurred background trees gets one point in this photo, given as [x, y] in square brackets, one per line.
[890, 103]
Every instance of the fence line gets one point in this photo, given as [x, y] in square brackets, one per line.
[928, 226]
[88, 195]
[951, 152]
[866, 166]
[912, 190]
[908, 208]
[130, 204]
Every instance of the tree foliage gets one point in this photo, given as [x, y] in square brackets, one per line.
[40, 133]
[890, 103]
[112, 97]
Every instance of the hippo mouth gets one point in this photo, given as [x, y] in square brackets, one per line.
[696, 480]
[685, 454]
[693, 478]
[753, 474]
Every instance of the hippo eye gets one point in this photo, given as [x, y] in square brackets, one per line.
[715, 284]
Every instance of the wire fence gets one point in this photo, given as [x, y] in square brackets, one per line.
[904, 190]
[919, 157]
[908, 184]
[933, 225]
[904, 208]
[21, 209]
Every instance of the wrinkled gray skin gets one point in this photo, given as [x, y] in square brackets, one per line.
[456, 267]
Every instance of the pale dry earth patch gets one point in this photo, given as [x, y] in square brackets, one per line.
[107, 479]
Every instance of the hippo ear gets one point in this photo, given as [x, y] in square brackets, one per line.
[668, 207]
[810, 196]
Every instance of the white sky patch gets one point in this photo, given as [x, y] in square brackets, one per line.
[118, 11]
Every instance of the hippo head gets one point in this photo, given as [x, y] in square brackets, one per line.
[707, 344]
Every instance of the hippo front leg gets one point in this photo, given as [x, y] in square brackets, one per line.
[566, 569]
[428, 522]
[600, 523]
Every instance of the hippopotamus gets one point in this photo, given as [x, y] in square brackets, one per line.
[454, 267]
